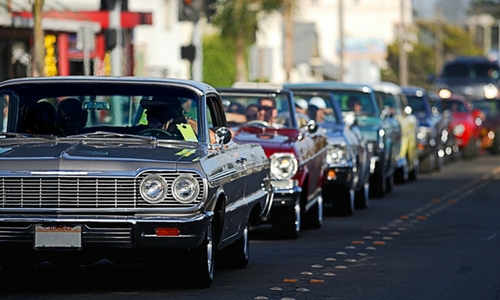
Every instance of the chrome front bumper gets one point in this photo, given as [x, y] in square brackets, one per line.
[110, 231]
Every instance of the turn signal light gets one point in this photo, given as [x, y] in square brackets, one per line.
[331, 175]
[167, 231]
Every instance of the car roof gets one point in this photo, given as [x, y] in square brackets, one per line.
[471, 59]
[331, 85]
[387, 87]
[199, 87]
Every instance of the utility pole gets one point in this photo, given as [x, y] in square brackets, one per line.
[38, 53]
[341, 40]
[403, 57]
[439, 40]
[288, 20]
[117, 51]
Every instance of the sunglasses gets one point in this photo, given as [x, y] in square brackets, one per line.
[265, 107]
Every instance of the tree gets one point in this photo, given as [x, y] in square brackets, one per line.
[219, 68]
[238, 22]
[456, 41]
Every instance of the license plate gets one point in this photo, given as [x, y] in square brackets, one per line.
[58, 236]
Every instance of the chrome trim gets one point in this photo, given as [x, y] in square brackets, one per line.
[88, 193]
[100, 219]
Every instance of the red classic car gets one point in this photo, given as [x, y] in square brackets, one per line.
[295, 145]
[464, 124]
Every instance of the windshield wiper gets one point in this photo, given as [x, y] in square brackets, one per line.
[43, 137]
[100, 135]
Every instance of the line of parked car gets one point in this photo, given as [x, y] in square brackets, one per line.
[176, 172]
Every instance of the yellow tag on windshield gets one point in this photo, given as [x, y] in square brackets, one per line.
[187, 132]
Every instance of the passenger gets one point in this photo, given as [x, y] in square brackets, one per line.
[354, 104]
[316, 109]
[41, 118]
[301, 107]
[251, 112]
[72, 117]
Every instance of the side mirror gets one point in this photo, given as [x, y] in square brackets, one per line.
[312, 126]
[223, 135]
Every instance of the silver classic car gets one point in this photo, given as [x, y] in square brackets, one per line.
[129, 170]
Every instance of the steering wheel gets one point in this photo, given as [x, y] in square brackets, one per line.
[258, 123]
[155, 132]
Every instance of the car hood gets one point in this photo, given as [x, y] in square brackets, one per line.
[271, 139]
[63, 156]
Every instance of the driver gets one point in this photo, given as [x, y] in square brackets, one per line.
[267, 111]
[165, 114]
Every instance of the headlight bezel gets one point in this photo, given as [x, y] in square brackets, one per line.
[277, 158]
[192, 184]
[161, 187]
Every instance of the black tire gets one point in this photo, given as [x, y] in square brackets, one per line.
[378, 186]
[236, 255]
[313, 219]
[427, 164]
[199, 266]
[495, 146]
[343, 203]
[389, 183]
[361, 197]
[286, 222]
[470, 151]
[438, 166]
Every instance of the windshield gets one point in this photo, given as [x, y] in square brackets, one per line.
[455, 106]
[69, 109]
[357, 102]
[475, 70]
[259, 109]
[417, 104]
[317, 107]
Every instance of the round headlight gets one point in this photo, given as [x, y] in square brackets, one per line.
[444, 93]
[284, 165]
[153, 189]
[459, 130]
[490, 91]
[185, 188]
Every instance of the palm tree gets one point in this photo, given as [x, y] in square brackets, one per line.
[238, 22]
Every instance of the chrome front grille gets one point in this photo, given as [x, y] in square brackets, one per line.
[83, 192]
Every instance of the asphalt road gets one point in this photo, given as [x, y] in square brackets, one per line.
[434, 238]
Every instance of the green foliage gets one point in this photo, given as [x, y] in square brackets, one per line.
[422, 57]
[219, 67]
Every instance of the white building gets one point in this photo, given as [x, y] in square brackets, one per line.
[369, 26]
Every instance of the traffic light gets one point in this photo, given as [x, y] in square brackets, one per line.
[188, 52]
[189, 10]
[210, 9]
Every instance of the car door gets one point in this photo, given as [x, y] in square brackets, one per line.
[233, 164]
